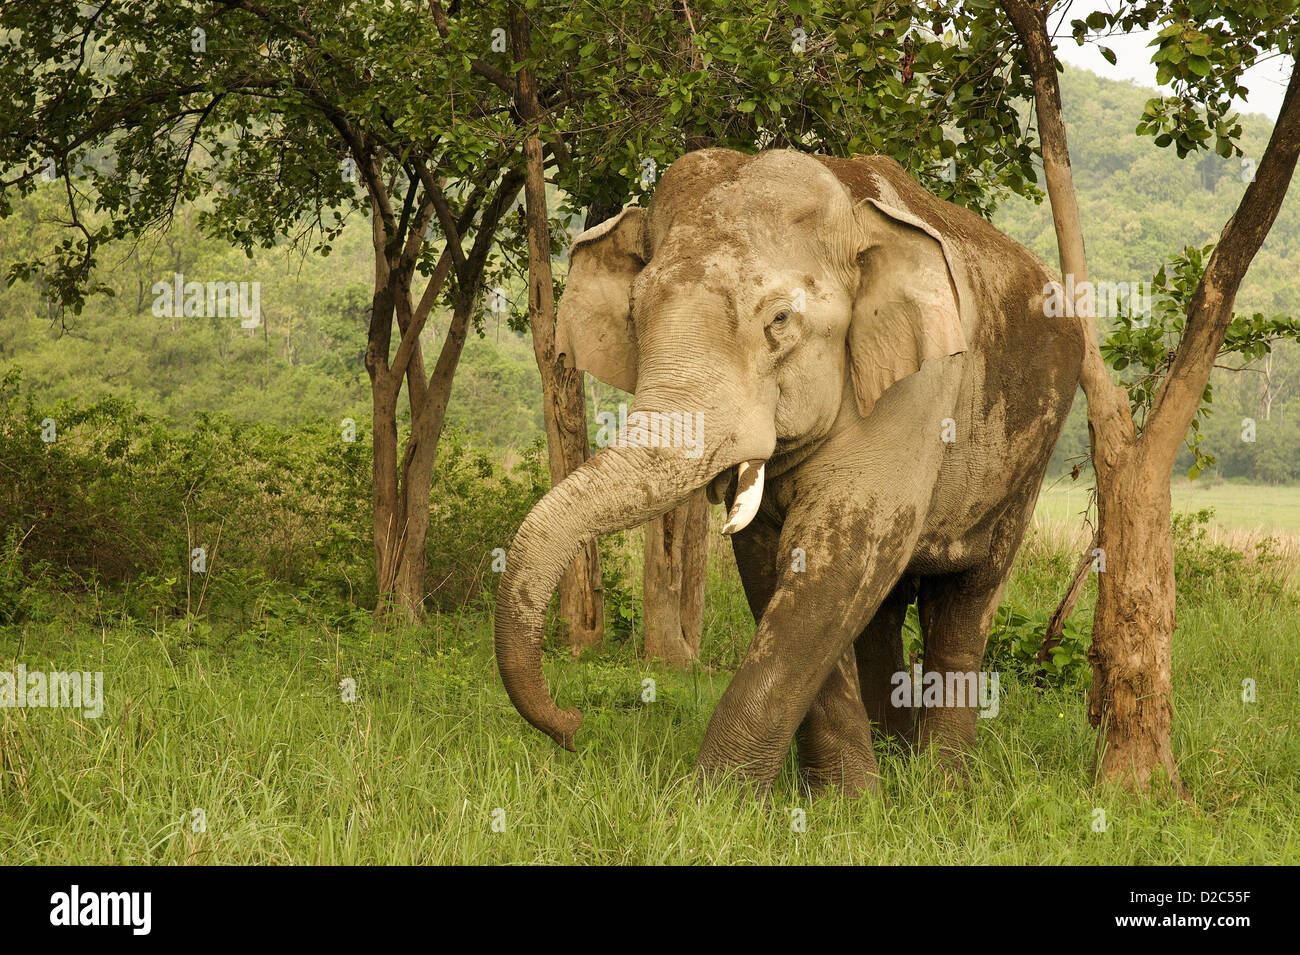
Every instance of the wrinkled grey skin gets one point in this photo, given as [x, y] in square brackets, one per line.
[920, 322]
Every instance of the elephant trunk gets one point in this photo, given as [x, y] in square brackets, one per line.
[619, 488]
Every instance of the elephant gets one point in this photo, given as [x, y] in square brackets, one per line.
[879, 388]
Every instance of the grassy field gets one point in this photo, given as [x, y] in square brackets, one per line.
[431, 764]
[1237, 507]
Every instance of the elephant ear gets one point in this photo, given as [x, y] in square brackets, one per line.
[594, 327]
[906, 307]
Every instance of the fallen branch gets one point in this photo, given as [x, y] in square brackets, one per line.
[1056, 626]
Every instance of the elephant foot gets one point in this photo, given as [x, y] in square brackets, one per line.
[949, 740]
[834, 740]
[846, 779]
[835, 754]
[828, 765]
[714, 774]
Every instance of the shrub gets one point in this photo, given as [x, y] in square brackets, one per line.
[1014, 641]
[477, 505]
[121, 503]
[1205, 569]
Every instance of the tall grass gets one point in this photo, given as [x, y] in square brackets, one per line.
[229, 734]
[431, 764]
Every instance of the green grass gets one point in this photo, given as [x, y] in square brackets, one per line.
[250, 728]
[1244, 507]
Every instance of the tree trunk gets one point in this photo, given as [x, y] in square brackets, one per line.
[428, 413]
[386, 518]
[695, 568]
[582, 594]
[676, 555]
[416, 482]
[1113, 434]
[564, 402]
[401, 519]
[1268, 387]
[1131, 697]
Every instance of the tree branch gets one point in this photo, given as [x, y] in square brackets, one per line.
[1108, 409]
[1209, 313]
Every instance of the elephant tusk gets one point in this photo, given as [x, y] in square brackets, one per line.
[749, 494]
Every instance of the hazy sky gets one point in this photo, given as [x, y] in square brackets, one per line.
[1266, 82]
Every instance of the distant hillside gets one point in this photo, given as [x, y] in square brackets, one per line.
[1140, 203]
[302, 363]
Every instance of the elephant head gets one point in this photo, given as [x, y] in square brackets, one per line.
[754, 298]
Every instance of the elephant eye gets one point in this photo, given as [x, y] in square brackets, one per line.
[776, 330]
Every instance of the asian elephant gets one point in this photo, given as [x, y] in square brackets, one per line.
[878, 391]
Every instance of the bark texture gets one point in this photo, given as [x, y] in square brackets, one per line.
[401, 487]
[564, 400]
[676, 556]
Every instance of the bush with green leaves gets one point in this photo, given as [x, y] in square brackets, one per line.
[110, 496]
[1014, 642]
[477, 506]
[1208, 570]
[20, 597]
[160, 519]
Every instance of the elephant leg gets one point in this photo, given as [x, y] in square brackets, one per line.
[756, 549]
[956, 614]
[834, 739]
[855, 513]
[879, 653]
[857, 549]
